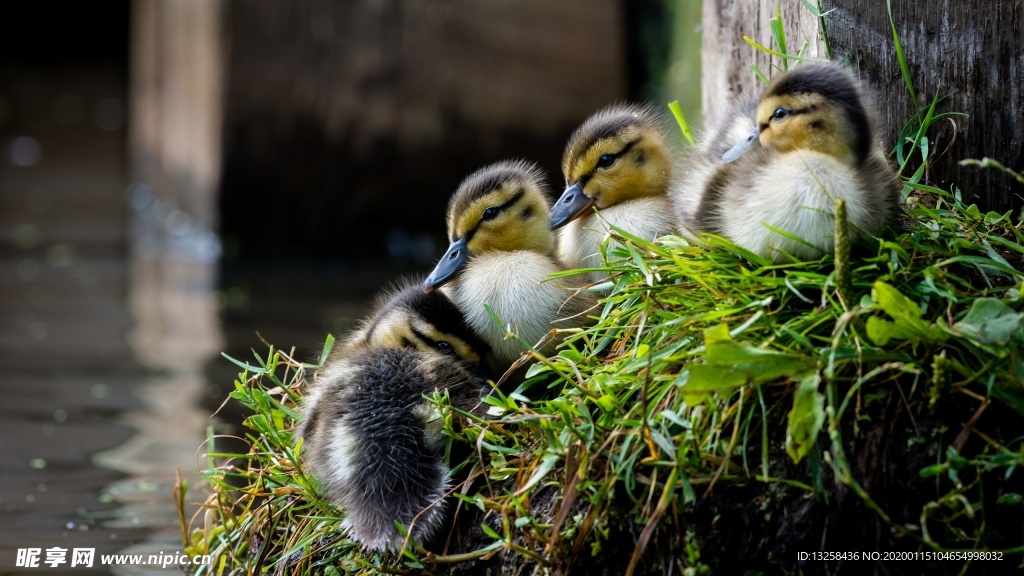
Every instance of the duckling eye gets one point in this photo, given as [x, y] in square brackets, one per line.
[490, 214]
[780, 113]
[606, 160]
[444, 348]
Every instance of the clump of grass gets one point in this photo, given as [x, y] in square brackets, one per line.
[709, 362]
[716, 383]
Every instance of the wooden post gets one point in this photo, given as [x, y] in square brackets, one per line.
[175, 105]
[972, 52]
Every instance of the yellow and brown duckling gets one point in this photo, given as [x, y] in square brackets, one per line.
[813, 142]
[619, 162]
[370, 436]
[500, 257]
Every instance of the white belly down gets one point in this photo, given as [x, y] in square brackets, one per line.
[579, 242]
[795, 194]
[509, 283]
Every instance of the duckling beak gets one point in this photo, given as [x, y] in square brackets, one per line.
[741, 147]
[569, 206]
[450, 263]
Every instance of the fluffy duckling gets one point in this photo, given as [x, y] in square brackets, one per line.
[812, 143]
[619, 162]
[499, 257]
[371, 437]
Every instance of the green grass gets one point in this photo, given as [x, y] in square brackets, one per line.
[712, 376]
[723, 414]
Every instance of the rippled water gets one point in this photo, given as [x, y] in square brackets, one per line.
[102, 347]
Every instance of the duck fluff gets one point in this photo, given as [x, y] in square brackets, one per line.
[705, 170]
[500, 258]
[371, 437]
[812, 143]
[407, 317]
[619, 162]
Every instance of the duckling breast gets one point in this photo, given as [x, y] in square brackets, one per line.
[510, 284]
[796, 193]
[579, 241]
[647, 217]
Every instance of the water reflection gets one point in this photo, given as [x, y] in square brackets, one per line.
[107, 295]
[162, 230]
[172, 297]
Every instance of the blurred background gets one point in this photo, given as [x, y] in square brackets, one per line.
[181, 178]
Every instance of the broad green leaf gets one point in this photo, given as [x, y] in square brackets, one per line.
[882, 331]
[536, 369]
[1010, 498]
[989, 321]
[704, 379]
[717, 334]
[760, 365]
[933, 470]
[907, 322]
[805, 418]
[606, 402]
[730, 364]
[675, 419]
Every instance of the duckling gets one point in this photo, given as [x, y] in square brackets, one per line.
[374, 441]
[369, 434]
[812, 143]
[618, 161]
[499, 257]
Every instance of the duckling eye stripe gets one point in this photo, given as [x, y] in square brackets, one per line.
[515, 198]
[423, 337]
[500, 208]
[795, 112]
[586, 177]
[803, 110]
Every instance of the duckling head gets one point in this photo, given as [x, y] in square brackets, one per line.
[816, 107]
[501, 207]
[412, 319]
[617, 155]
